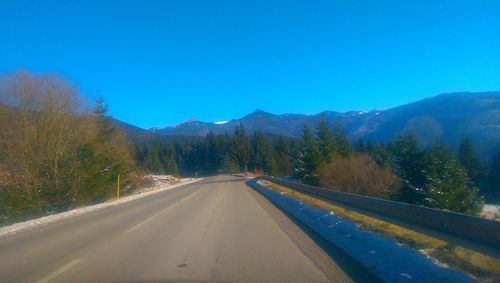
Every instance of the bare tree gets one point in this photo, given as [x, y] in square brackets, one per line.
[53, 153]
[40, 129]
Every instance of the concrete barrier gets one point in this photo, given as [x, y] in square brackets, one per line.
[471, 228]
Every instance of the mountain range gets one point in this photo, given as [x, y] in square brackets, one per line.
[449, 117]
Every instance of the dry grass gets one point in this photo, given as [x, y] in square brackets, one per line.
[481, 266]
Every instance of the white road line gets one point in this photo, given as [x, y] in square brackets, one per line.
[155, 215]
[59, 271]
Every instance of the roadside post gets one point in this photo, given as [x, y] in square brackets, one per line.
[118, 187]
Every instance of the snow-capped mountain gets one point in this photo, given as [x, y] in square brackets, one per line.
[447, 116]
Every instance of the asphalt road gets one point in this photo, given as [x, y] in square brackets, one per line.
[215, 230]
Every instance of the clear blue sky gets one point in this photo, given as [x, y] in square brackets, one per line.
[161, 62]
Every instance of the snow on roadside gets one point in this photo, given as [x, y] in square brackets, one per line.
[381, 255]
[161, 183]
[491, 211]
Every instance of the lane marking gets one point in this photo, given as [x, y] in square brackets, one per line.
[59, 271]
[158, 213]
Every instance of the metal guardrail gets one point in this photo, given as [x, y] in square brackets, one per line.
[484, 232]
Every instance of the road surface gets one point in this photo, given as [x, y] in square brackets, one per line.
[215, 230]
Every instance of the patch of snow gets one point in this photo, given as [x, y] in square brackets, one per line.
[383, 256]
[156, 129]
[490, 211]
[221, 122]
[406, 275]
[162, 183]
[427, 254]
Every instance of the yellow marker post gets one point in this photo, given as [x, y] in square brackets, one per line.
[118, 187]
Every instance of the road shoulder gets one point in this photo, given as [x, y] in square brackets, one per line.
[334, 263]
[28, 225]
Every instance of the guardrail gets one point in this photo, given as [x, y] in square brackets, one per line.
[467, 227]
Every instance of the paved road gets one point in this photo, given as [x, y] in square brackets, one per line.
[215, 230]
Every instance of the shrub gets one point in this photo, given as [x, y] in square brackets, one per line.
[359, 174]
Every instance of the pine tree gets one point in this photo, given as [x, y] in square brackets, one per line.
[213, 155]
[229, 164]
[284, 157]
[494, 176]
[344, 148]
[359, 146]
[446, 182]
[241, 148]
[170, 163]
[381, 154]
[102, 159]
[326, 141]
[309, 158]
[370, 148]
[152, 161]
[409, 165]
[262, 155]
[472, 163]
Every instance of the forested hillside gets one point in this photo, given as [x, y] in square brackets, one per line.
[449, 117]
[401, 169]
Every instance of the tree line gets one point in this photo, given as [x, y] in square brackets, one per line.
[58, 151]
[400, 169]
[236, 152]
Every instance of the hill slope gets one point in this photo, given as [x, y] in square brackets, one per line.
[447, 116]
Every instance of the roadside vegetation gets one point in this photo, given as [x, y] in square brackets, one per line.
[56, 151]
[401, 169]
[481, 266]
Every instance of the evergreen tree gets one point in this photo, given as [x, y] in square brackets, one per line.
[241, 148]
[189, 158]
[170, 162]
[229, 164]
[409, 165]
[284, 157]
[106, 156]
[370, 148]
[262, 155]
[101, 108]
[152, 160]
[344, 148]
[494, 176]
[446, 182]
[381, 154]
[326, 141]
[213, 154]
[359, 146]
[471, 162]
[309, 158]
